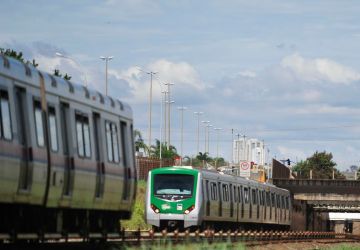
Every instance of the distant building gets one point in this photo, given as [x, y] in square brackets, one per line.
[251, 150]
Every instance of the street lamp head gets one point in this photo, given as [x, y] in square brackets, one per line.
[205, 122]
[106, 58]
[59, 54]
[198, 113]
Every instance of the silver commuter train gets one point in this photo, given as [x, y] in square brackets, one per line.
[66, 155]
[214, 200]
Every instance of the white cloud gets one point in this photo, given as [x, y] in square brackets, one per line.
[247, 73]
[182, 74]
[319, 69]
[325, 109]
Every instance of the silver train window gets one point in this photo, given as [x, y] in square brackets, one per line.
[53, 129]
[112, 141]
[5, 121]
[246, 195]
[39, 126]
[83, 135]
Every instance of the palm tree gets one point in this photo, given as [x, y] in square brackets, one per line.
[203, 157]
[139, 142]
[165, 153]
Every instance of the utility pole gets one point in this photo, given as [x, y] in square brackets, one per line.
[106, 59]
[208, 138]
[169, 102]
[205, 124]
[217, 144]
[198, 114]
[150, 104]
[232, 146]
[182, 131]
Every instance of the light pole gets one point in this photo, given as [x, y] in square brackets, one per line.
[72, 59]
[232, 146]
[217, 139]
[106, 59]
[208, 138]
[205, 125]
[165, 114]
[169, 102]
[198, 114]
[182, 108]
[169, 111]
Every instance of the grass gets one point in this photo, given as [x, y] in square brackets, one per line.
[345, 247]
[204, 245]
[138, 216]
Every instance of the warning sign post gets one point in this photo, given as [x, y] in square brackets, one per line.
[245, 169]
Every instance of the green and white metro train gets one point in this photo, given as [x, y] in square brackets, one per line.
[185, 197]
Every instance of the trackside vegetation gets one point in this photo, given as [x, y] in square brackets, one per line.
[138, 216]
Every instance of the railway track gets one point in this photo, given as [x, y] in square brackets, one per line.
[138, 237]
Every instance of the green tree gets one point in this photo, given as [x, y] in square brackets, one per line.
[218, 162]
[321, 164]
[165, 152]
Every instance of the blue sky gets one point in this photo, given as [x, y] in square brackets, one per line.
[287, 72]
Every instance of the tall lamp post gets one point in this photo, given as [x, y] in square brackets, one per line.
[182, 108]
[198, 114]
[169, 102]
[205, 125]
[217, 144]
[72, 59]
[106, 59]
[208, 138]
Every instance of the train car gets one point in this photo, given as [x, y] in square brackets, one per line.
[185, 197]
[66, 155]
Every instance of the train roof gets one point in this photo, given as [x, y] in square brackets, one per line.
[212, 173]
[27, 74]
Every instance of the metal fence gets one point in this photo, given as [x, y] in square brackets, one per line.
[145, 164]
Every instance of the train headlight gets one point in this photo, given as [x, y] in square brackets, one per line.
[154, 208]
[187, 211]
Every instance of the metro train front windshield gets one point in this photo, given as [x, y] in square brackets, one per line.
[172, 185]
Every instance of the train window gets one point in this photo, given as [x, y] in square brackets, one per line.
[5, 121]
[246, 195]
[213, 191]
[39, 124]
[53, 130]
[235, 194]
[263, 197]
[287, 202]
[112, 141]
[124, 139]
[207, 189]
[253, 196]
[225, 192]
[268, 199]
[273, 200]
[240, 194]
[83, 135]
[260, 198]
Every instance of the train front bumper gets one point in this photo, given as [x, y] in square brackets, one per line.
[188, 219]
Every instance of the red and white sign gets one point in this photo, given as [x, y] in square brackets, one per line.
[245, 169]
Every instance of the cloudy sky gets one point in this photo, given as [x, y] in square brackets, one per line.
[286, 72]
